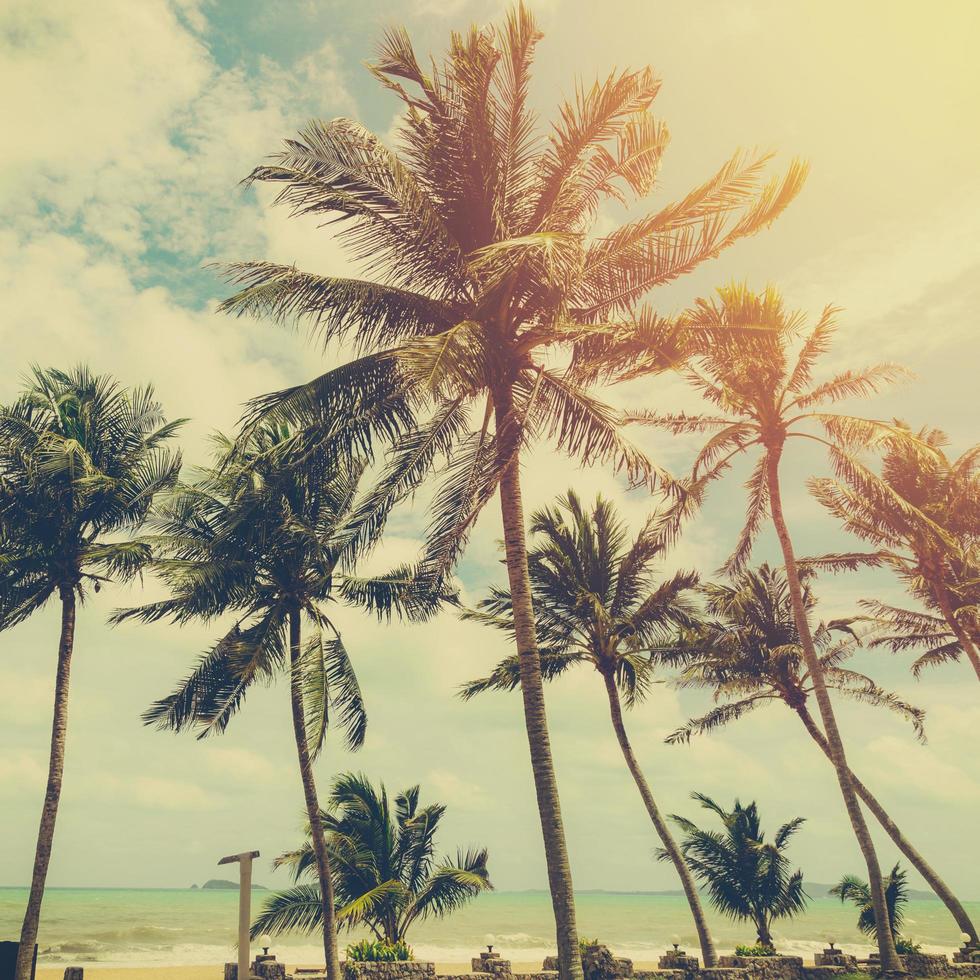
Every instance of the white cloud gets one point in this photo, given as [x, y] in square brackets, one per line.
[20, 772]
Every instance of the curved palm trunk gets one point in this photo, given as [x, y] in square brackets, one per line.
[535, 719]
[663, 831]
[52, 794]
[917, 861]
[965, 640]
[888, 956]
[312, 803]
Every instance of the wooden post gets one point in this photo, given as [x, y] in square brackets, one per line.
[244, 906]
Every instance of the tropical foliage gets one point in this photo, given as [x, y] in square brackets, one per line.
[597, 602]
[747, 878]
[378, 951]
[477, 237]
[81, 461]
[383, 863]
[922, 514]
[270, 534]
[852, 889]
[763, 394]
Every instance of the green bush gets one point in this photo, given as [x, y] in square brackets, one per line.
[584, 944]
[379, 951]
[757, 950]
[904, 946]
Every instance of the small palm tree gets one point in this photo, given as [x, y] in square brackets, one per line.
[922, 513]
[271, 534]
[747, 653]
[596, 602]
[384, 871]
[852, 889]
[763, 397]
[81, 461]
[477, 236]
[747, 878]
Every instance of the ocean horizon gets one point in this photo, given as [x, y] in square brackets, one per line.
[185, 926]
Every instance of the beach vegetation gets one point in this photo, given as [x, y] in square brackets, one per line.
[490, 295]
[598, 602]
[379, 951]
[757, 949]
[82, 460]
[757, 376]
[746, 652]
[385, 872]
[853, 889]
[747, 877]
[271, 534]
[922, 515]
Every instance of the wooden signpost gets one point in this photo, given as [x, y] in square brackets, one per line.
[244, 906]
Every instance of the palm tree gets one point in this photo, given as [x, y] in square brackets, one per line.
[384, 871]
[852, 889]
[596, 603]
[747, 878]
[478, 242]
[749, 655]
[272, 534]
[81, 460]
[922, 514]
[763, 397]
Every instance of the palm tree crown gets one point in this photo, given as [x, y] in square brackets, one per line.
[81, 461]
[264, 534]
[596, 600]
[385, 872]
[852, 889]
[477, 234]
[922, 515]
[747, 878]
[747, 652]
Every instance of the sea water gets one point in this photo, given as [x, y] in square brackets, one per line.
[171, 927]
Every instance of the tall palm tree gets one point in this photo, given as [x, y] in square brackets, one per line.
[477, 237]
[748, 654]
[764, 396]
[596, 602]
[922, 514]
[747, 878]
[384, 869]
[81, 460]
[271, 534]
[852, 889]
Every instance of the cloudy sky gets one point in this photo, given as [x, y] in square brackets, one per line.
[126, 128]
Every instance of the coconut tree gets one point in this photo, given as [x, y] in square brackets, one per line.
[747, 653]
[597, 602]
[747, 878]
[763, 395]
[852, 889]
[81, 460]
[384, 868]
[922, 515]
[271, 535]
[477, 240]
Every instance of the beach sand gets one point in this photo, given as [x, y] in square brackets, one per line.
[215, 972]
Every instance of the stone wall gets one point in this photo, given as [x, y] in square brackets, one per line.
[765, 967]
[397, 970]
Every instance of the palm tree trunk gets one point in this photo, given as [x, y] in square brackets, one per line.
[532, 692]
[656, 818]
[966, 642]
[888, 956]
[312, 803]
[52, 794]
[917, 861]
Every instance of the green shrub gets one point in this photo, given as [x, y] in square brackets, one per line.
[904, 946]
[379, 951]
[757, 950]
[584, 944]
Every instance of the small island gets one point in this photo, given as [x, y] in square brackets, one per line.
[222, 884]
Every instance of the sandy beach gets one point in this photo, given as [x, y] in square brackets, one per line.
[215, 971]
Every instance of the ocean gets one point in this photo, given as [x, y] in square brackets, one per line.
[171, 927]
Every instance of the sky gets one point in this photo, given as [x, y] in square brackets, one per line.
[129, 128]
